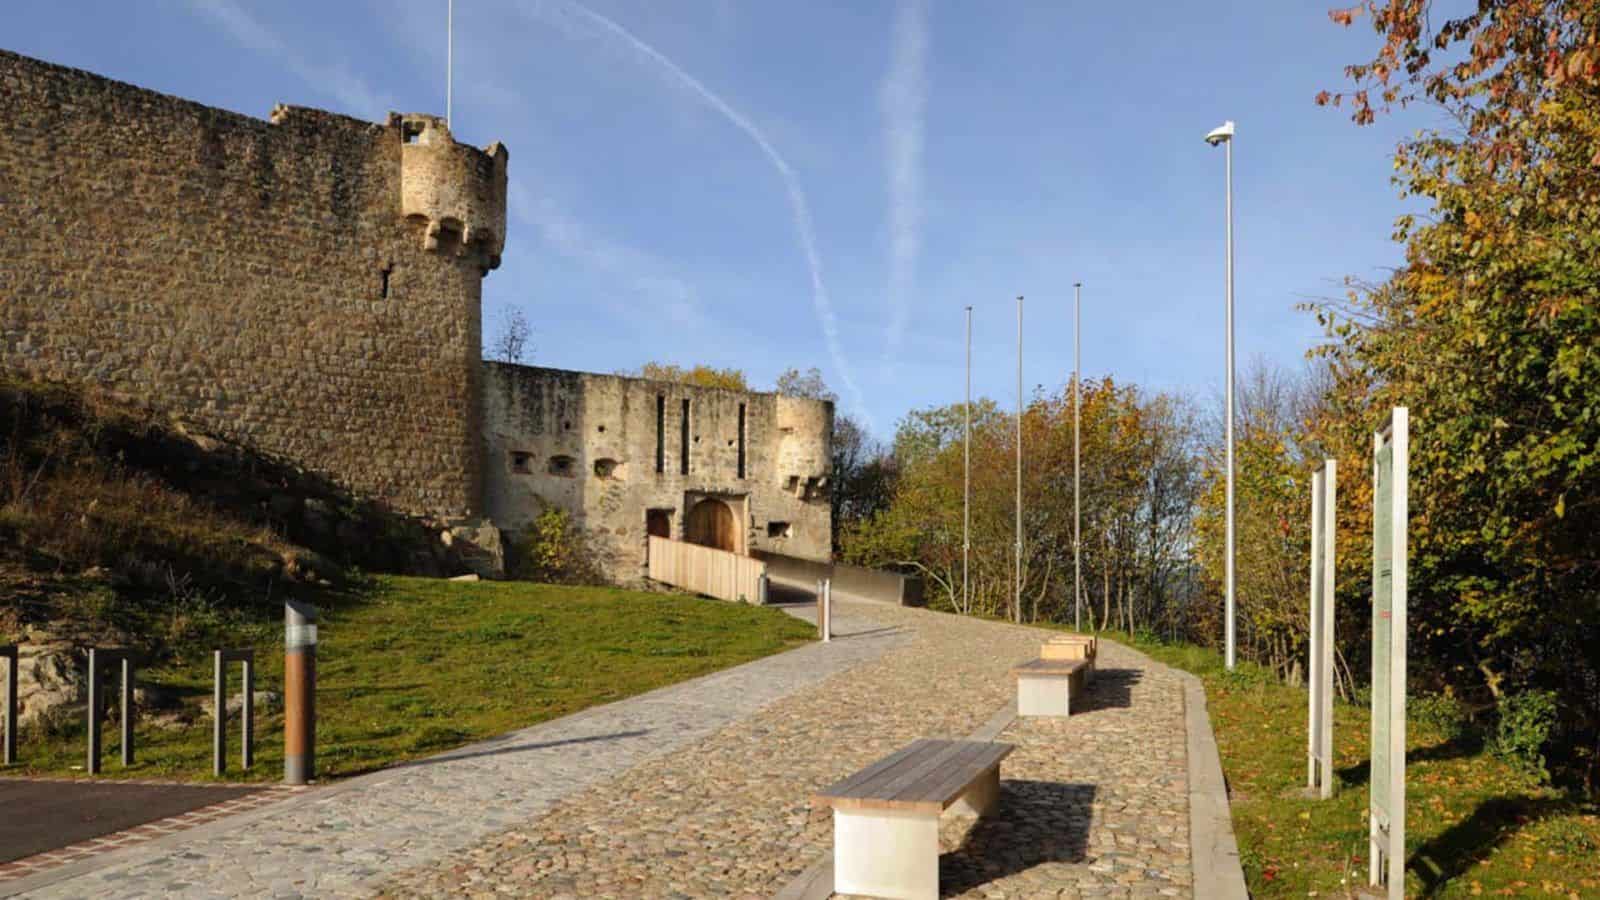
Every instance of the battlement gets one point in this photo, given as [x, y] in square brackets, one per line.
[456, 192]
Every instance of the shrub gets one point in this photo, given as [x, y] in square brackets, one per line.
[553, 550]
[1441, 714]
[1526, 720]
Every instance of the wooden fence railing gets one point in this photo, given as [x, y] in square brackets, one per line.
[706, 570]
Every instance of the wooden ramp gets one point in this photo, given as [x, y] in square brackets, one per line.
[707, 570]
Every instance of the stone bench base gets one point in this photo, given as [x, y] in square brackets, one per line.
[1048, 695]
[895, 854]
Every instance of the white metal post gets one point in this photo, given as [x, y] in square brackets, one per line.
[1017, 612]
[1231, 625]
[449, 57]
[827, 604]
[1077, 514]
[1387, 815]
[966, 476]
[1330, 534]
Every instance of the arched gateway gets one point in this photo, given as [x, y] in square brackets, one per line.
[711, 523]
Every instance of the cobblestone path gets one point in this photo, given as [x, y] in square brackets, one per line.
[1093, 806]
[337, 841]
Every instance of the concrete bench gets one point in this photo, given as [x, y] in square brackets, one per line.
[1045, 687]
[886, 816]
[1072, 646]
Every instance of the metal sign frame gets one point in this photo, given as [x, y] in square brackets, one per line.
[1391, 453]
[1319, 718]
[246, 657]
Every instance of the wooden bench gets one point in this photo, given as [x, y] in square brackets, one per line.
[886, 816]
[1045, 687]
[1072, 646]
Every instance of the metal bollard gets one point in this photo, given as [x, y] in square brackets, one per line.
[10, 653]
[98, 658]
[825, 609]
[219, 700]
[299, 692]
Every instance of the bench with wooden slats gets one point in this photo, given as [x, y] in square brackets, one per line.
[1072, 646]
[1045, 687]
[886, 816]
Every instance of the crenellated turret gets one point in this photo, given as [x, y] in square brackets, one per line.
[457, 191]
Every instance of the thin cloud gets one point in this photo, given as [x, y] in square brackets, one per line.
[903, 101]
[349, 90]
[801, 210]
[639, 271]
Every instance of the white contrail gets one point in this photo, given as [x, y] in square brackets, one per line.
[903, 99]
[797, 198]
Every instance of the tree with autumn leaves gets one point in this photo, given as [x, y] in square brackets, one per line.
[1490, 333]
[1140, 474]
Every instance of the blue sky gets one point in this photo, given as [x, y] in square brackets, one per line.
[764, 184]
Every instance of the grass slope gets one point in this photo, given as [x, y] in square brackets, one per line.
[1475, 825]
[409, 667]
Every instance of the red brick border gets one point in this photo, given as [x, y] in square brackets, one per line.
[263, 795]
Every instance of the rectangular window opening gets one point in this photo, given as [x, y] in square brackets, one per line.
[779, 530]
[741, 440]
[385, 287]
[683, 442]
[521, 463]
[661, 433]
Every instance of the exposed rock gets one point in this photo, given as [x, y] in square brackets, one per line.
[309, 566]
[50, 675]
[471, 577]
[479, 544]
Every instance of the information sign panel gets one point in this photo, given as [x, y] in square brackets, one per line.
[1387, 806]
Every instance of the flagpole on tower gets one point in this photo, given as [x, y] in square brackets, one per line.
[449, 56]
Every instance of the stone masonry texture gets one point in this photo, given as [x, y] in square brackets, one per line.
[590, 444]
[309, 285]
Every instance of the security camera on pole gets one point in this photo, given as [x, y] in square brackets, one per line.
[1223, 134]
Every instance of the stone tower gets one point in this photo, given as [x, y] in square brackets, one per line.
[310, 285]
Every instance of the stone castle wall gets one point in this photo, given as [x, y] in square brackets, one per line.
[590, 444]
[309, 285]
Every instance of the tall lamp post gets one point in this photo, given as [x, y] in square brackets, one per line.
[966, 475]
[1017, 612]
[1077, 514]
[449, 58]
[1223, 134]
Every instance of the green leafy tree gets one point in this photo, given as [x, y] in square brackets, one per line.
[1490, 333]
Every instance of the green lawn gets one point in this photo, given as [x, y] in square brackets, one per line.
[409, 667]
[1475, 825]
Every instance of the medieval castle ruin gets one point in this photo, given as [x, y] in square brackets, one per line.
[311, 285]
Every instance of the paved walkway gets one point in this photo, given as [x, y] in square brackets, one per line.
[1093, 806]
[342, 840]
[701, 789]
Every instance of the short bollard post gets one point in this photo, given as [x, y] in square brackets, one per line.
[10, 653]
[827, 589]
[299, 692]
[127, 710]
[98, 661]
[92, 763]
[825, 609]
[219, 700]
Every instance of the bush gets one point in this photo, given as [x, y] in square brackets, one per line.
[553, 550]
[1441, 714]
[1526, 720]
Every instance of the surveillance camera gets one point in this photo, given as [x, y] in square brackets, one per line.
[1223, 132]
